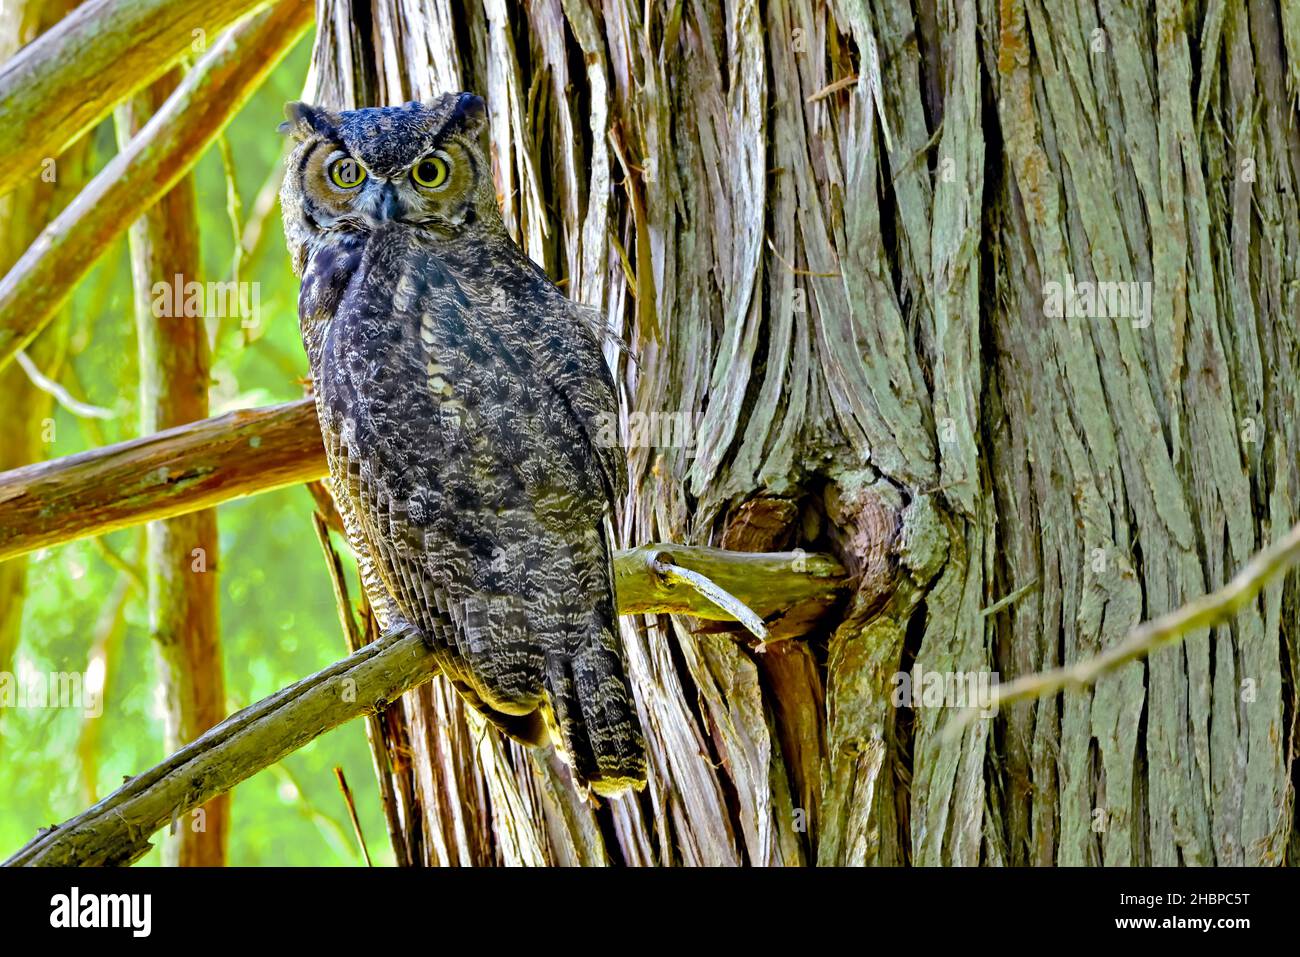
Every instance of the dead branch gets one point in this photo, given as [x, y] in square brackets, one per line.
[60, 394]
[770, 584]
[1199, 614]
[727, 603]
[117, 829]
[158, 476]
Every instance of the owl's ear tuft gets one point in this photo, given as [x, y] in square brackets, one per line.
[301, 120]
[469, 114]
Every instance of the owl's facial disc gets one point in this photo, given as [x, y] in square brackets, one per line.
[423, 165]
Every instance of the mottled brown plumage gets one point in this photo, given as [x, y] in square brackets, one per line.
[461, 397]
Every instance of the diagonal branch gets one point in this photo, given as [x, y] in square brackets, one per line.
[1201, 613]
[117, 829]
[159, 476]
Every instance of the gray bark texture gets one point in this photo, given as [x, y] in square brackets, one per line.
[828, 231]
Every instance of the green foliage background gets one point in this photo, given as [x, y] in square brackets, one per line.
[278, 619]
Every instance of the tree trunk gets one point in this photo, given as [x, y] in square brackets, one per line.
[852, 246]
[182, 551]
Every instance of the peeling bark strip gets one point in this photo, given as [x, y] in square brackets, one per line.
[211, 94]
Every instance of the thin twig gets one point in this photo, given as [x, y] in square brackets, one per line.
[350, 631]
[124, 567]
[61, 395]
[830, 88]
[923, 151]
[376, 729]
[352, 813]
[1015, 596]
[234, 207]
[728, 602]
[1201, 613]
[264, 204]
[795, 271]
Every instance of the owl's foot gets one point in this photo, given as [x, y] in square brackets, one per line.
[401, 628]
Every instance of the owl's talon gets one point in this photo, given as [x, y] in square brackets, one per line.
[401, 629]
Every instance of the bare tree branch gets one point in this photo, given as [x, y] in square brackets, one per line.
[117, 829]
[158, 476]
[61, 395]
[1204, 612]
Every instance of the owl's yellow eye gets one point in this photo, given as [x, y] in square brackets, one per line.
[347, 173]
[430, 172]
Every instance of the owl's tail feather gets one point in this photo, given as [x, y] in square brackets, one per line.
[596, 716]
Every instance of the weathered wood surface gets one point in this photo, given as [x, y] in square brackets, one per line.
[798, 581]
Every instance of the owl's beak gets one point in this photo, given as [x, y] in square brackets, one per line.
[386, 206]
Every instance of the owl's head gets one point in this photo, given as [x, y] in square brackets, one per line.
[423, 164]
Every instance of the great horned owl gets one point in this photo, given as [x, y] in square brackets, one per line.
[461, 396]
